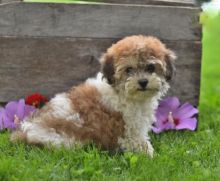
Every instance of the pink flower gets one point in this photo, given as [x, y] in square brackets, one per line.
[14, 110]
[171, 115]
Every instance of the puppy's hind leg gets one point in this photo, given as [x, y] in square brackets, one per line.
[36, 134]
[18, 136]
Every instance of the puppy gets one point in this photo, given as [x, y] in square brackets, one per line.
[116, 109]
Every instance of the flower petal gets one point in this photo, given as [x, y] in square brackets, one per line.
[167, 105]
[161, 117]
[156, 130]
[11, 109]
[181, 113]
[28, 109]
[171, 102]
[185, 111]
[7, 122]
[190, 124]
[2, 116]
[20, 109]
[163, 127]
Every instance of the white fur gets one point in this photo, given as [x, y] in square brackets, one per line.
[61, 106]
[37, 134]
[74, 117]
[138, 116]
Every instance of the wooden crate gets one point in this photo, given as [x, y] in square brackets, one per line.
[47, 48]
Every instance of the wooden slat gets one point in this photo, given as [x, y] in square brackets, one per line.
[52, 65]
[152, 2]
[189, 3]
[9, 1]
[98, 21]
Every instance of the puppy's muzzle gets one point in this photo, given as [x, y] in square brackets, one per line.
[143, 84]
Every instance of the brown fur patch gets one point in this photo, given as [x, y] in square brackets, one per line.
[136, 51]
[99, 124]
[107, 67]
[140, 46]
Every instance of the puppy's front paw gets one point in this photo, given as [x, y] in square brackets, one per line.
[149, 150]
[144, 147]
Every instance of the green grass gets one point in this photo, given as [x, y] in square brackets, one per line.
[182, 155]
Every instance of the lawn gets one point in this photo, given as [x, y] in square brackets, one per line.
[181, 155]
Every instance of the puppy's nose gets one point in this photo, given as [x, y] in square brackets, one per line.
[143, 83]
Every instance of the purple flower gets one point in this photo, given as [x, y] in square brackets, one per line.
[13, 110]
[171, 115]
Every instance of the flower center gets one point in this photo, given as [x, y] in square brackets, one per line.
[176, 121]
[35, 103]
[173, 120]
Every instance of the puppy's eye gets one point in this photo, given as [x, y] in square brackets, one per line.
[129, 70]
[150, 68]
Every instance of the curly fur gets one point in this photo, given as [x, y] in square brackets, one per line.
[113, 110]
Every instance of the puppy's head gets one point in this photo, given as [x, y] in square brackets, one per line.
[138, 67]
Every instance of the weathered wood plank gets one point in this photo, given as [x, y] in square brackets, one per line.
[52, 65]
[189, 3]
[9, 1]
[98, 21]
[152, 2]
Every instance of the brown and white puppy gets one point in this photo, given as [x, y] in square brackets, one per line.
[116, 109]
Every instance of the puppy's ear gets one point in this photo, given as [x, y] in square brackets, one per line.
[107, 68]
[170, 58]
